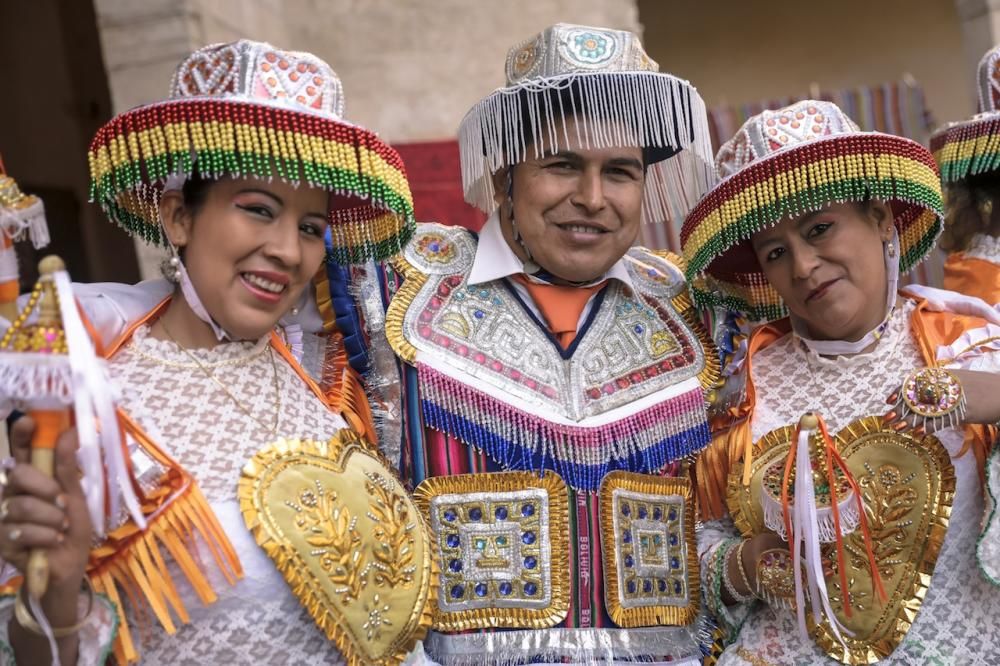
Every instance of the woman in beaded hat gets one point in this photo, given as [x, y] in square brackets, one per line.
[967, 153]
[252, 179]
[809, 229]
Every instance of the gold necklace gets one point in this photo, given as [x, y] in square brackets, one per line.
[273, 428]
[242, 360]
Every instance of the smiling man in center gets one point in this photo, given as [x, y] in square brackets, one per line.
[555, 378]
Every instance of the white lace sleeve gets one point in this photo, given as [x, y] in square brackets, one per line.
[715, 539]
[96, 635]
[979, 350]
[988, 547]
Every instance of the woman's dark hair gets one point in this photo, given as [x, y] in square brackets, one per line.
[195, 192]
[964, 218]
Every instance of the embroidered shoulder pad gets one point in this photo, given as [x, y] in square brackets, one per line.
[654, 273]
[437, 249]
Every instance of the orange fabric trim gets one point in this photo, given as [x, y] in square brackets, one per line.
[973, 277]
[132, 559]
[732, 438]
[345, 394]
[9, 291]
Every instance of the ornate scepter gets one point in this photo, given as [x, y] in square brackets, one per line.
[21, 216]
[49, 369]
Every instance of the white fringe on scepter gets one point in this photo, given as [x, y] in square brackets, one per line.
[101, 450]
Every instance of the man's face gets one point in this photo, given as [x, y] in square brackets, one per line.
[577, 210]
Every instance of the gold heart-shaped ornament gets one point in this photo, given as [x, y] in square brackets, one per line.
[349, 541]
[907, 482]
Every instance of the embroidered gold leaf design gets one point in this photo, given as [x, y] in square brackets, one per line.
[330, 527]
[393, 531]
[889, 497]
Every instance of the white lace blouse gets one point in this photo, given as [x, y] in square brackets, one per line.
[959, 622]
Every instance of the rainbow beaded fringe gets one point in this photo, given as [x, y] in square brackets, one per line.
[249, 110]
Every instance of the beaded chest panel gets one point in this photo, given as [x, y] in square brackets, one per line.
[502, 539]
[630, 395]
[650, 558]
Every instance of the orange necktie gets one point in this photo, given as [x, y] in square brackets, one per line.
[560, 306]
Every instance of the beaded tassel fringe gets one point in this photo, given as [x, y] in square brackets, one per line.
[136, 152]
[583, 455]
[645, 109]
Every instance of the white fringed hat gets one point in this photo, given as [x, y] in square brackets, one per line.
[604, 80]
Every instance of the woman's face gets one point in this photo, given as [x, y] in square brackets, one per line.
[829, 267]
[250, 248]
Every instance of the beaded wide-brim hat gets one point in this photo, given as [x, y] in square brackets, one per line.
[248, 109]
[972, 147]
[603, 80]
[790, 162]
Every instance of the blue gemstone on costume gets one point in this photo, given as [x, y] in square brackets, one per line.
[647, 586]
[643, 512]
[457, 591]
[528, 510]
[657, 539]
[627, 536]
[501, 513]
[657, 513]
[478, 314]
[455, 565]
[530, 589]
[638, 329]
[497, 301]
[662, 585]
[481, 590]
[629, 561]
[626, 510]
[677, 587]
[506, 588]
[452, 541]
[530, 562]
[630, 586]
[450, 515]
[475, 513]
[672, 515]
[675, 563]
[433, 246]
[484, 294]
[528, 538]
[673, 539]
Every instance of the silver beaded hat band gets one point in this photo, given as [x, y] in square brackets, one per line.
[602, 79]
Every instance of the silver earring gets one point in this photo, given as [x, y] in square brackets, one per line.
[295, 311]
[891, 250]
[171, 268]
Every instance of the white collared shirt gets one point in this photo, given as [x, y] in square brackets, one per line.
[495, 260]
